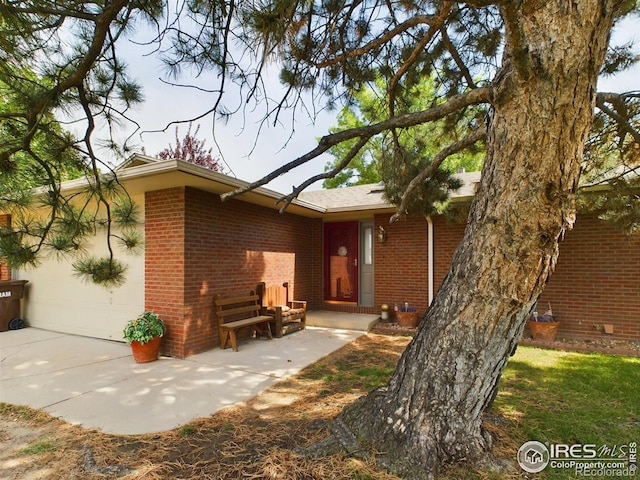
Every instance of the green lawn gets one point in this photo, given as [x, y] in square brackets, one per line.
[552, 396]
[558, 397]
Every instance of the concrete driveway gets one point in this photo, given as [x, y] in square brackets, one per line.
[97, 384]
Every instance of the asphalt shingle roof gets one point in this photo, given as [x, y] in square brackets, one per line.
[370, 196]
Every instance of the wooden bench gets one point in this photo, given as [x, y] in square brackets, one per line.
[240, 312]
[286, 315]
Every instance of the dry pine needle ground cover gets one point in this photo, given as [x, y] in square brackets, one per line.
[254, 440]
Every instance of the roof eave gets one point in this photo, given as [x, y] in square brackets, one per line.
[227, 183]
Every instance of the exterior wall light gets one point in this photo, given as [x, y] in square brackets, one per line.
[382, 234]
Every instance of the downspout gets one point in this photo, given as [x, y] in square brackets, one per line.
[430, 254]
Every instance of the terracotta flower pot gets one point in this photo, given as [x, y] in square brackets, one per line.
[545, 331]
[146, 352]
[408, 319]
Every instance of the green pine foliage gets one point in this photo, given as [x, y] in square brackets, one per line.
[387, 64]
[424, 141]
[58, 60]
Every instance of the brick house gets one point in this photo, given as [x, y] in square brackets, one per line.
[326, 245]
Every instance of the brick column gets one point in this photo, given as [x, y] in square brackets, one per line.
[164, 264]
[197, 247]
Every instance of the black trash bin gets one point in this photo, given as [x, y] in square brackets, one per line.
[11, 292]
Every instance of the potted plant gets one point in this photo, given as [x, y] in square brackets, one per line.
[144, 334]
[543, 327]
[407, 316]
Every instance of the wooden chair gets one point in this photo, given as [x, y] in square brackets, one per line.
[287, 315]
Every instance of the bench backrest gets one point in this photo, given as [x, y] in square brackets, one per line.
[236, 308]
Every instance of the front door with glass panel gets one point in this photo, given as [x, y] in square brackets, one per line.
[341, 242]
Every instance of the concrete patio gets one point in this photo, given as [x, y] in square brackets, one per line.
[96, 383]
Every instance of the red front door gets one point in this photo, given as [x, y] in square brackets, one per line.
[341, 262]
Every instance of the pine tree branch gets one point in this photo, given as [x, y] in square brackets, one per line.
[379, 41]
[436, 25]
[96, 174]
[619, 175]
[76, 77]
[483, 3]
[103, 23]
[428, 172]
[322, 176]
[62, 13]
[455, 103]
[55, 199]
[456, 58]
[617, 100]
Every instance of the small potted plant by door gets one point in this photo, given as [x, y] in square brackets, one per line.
[543, 327]
[144, 334]
[407, 316]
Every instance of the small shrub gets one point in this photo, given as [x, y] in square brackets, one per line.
[142, 329]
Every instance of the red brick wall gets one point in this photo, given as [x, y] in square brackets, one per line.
[401, 263]
[228, 249]
[5, 271]
[596, 282]
[447, 236]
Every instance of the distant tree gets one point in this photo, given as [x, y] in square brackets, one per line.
[376, 160]
[191, 149]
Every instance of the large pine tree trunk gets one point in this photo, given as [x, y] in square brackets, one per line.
[431, 411]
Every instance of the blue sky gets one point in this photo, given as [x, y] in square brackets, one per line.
[251, 156]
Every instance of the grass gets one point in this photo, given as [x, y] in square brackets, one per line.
[558, 397]
[546, 395]
[187, 430]
[39, 446]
